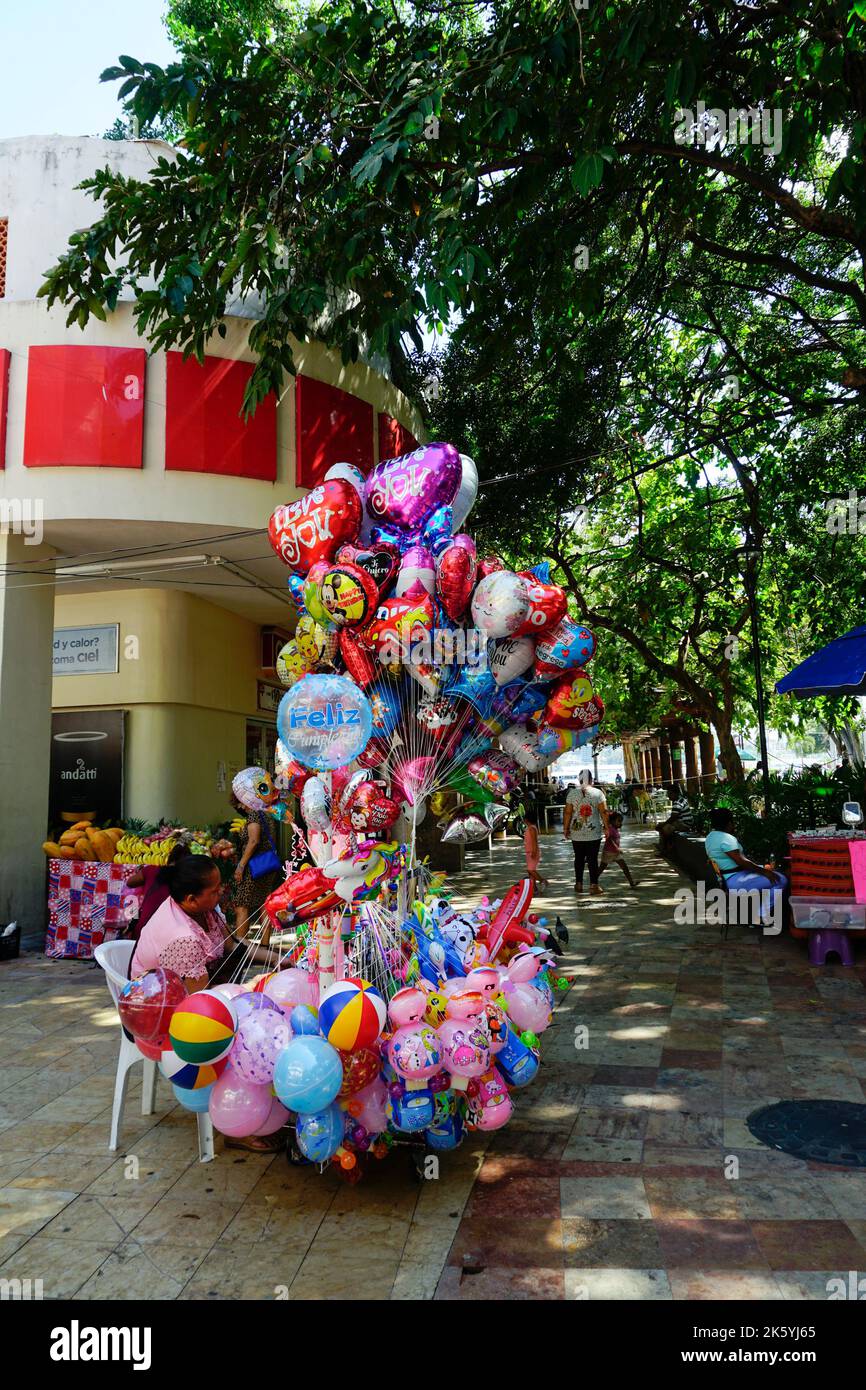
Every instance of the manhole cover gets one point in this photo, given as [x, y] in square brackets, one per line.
[823, 1131]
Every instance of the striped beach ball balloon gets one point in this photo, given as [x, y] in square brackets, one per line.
[203, 1027]
[188, 1075]
[351, 1014]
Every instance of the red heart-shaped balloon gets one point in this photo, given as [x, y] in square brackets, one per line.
[357, 660]
[547, 605]
[455, 579]
[565, 709]
[314, 527]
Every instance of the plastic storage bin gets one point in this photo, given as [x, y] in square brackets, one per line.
[833, 914]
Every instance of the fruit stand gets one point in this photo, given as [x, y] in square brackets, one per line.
[88, 867]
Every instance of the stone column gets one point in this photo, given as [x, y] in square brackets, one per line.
[707, 741]
[665, 763]
[655, 766]
[676, 759]
[26, 648]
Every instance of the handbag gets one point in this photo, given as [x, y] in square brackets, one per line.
[267, 861]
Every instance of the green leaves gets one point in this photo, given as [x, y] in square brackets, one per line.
[587, 173]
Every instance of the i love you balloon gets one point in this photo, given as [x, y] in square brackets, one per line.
[405, 491]
[314, 527]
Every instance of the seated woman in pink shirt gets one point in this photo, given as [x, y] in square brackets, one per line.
[187, 932]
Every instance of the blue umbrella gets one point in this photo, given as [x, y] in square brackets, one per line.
[837, 669]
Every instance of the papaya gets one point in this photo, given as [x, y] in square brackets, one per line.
[66, 852]
[116, 832]
[70, 837]
[82, 848]
[52, 849]
[103, 846]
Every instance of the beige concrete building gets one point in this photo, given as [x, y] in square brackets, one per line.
[133, 511]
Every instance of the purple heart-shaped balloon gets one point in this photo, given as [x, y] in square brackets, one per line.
[406, 491]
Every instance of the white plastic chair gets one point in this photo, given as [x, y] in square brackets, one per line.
[114, 958]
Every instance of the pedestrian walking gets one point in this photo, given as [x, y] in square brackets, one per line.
[585, 824]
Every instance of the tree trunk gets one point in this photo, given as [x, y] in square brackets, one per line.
[728, 751]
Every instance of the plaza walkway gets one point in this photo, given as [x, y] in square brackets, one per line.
[627, 1171]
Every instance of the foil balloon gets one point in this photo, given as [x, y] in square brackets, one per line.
[324, 721]
[367, 809]
[547, 604]
[437, 530]
[466, 492]
[317, 644]
[291, 665]
[289, 775]
[489, 564]
[475, 685]
[561, 648]
[465, 827]
[356, 659]
[374, 754]
[254, 789]
[313, 593]
[520, 701]
[385, 705]
[496, 815]
[523, 746]
[496, 771]
[566, 697]
[316, 805]
[381, 562]
[416, 567]
[509, 657]
[314, 527]
[350, 473]
[442, 721]
[360, 1070]
[349, 594]
[500, 604]
[404, 492]
[411, 778]
[400, 622]
[456, 571]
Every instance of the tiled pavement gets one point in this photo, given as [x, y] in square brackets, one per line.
[627, 1171]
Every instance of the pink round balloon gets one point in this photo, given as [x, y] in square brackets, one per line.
[276, 1119]
[372, 1100]
[465, 1049]
[236, 1107]
[527, 1008]
[290, 987]
[229, 991]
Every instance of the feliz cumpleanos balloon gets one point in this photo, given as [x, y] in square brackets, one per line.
[404, 492]
[314, 527]
[324, 721]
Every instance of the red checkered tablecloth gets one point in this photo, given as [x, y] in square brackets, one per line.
[85, 905]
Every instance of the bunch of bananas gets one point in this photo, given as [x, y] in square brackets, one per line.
[132, 849]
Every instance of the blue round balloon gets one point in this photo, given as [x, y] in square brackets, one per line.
[325, 721]
[308, 1074]
[196, 1101]
[304, 1020]
[320, 1134]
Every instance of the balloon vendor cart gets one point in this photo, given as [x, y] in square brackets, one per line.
[419, 673]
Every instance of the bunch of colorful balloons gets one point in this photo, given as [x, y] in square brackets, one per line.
[353, 1069]
[413, 656]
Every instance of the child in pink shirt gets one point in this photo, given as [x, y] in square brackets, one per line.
[611, 850]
